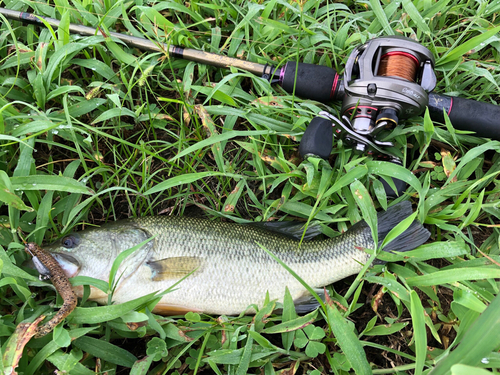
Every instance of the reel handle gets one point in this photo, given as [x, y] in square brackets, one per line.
[467, 114]
[318, 141]
[316, 82]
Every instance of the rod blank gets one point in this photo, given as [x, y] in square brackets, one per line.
[143, 44]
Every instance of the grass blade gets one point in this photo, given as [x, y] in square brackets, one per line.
[8, 196]
[381, 17]
[58, 183]
[293, 324]
[105, 350]
[415, 16]
[457, 52]
[95, 315]
[247, 354]
[348, 341]
[217, 138]
[365, 203]
[478, 342]
[419, 333]
[452, 276]
[185, 179]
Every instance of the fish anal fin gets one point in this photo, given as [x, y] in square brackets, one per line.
[307, 302]
[173, 268]
[166, 309]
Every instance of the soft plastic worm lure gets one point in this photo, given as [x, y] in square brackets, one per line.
[49, 268]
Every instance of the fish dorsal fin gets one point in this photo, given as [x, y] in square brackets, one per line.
[290, 229]
[173, 268]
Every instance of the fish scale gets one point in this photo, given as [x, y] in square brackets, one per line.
[224, 266]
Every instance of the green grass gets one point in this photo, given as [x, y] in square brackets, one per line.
[93, 131]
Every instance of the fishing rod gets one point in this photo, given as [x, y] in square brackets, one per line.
[145, 44]
[385, 80]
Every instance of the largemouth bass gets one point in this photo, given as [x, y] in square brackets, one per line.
[228, 271]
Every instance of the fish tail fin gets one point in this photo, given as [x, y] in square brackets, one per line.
[414, 236]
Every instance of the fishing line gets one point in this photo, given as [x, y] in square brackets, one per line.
[398, 64]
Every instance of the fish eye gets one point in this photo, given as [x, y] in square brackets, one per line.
[69, 242]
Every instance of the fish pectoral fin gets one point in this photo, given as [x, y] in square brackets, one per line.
[307, 303]
[173, 268]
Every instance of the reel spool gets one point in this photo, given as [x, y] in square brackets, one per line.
[385, 80]
[398, 64]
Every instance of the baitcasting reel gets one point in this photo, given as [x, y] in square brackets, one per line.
[385, 80]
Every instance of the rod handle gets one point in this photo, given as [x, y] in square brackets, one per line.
[467, 114]
[316, 82]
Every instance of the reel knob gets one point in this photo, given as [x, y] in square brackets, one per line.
[317, 139]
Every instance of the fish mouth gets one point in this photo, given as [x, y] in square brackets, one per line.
[68, 263]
